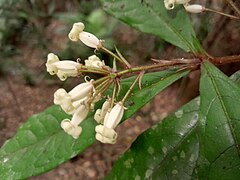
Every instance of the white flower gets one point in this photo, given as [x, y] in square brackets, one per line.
[106, 133]
[72, 127]
[169, 4]
[70, 101]
[182, 1]
[51, 60]
[101, 113]
[62, 98]
[115, 116]
[94, 61]
[75, 31]
[87, 38]
[63, 69]
[90, 40]
[194, 8]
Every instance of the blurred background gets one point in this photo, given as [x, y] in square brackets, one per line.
[30, 29]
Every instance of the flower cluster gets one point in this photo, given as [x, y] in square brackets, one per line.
[194, 8]
[79, 101]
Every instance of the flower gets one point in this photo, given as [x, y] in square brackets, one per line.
[63, 69]
[115, 116]
[106, 133]
[87, 38]
[194, 8]
[101, 113]
[75, 31]
[94, 61]
[71, 127]
[169, 4]
[70, 101]
[51, 60]
[90, 40]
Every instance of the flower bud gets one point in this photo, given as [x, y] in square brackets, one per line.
[114, 117]
[80, 114]
[182, 1]
[82, 90]
[97, 116]
[195, 8]
[101, 113]
[94, 61]
[90, 40]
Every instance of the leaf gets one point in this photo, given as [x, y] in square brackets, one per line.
[40, 144]
[152, 17]
[171, 149]
[219, 125]
[166, 151]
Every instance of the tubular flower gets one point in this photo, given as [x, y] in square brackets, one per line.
[87, 38]
[106, 133]
[194, 8]
[170, 4]
[90, 40]
[63, 69]
[70, 101]
[75, 31]
[71, 127]
[101, 113]
[94, 61]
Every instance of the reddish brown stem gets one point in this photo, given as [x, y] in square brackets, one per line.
[225, 60]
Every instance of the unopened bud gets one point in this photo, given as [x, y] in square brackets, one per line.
[89, 40]
[195, 8]
[112, 119]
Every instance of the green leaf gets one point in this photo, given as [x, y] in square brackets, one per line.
[151, 16]
[40, 144]
[184, 147]
[219, 125]
[168, 150]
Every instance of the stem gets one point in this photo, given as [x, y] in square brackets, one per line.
[93, 70]
[164, 64]
[113, 94]
[234, 7]
[225, 60]
[118, 58]
[221, 13]
[131, 87]
[100, 80]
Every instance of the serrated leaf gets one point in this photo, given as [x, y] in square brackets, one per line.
[219, 125]
[40, 144]
[152, 17]
[168, 150]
